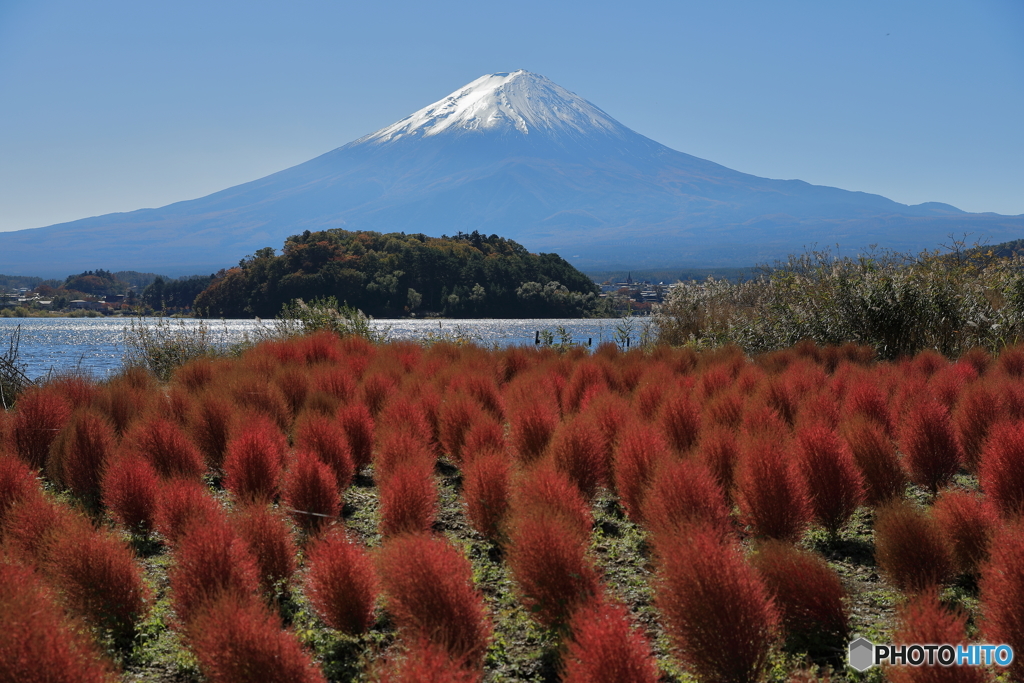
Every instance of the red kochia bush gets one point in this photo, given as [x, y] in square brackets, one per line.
[833, 482]
[771, 494]
[131, 490]
[240, 641]
[269, 538]
[927, 440]
[549, 492]
[1002, 594]
[31, 526]
[680, 420]
[165, 445]
[17, 482]
[408, 499]
[211, 562]
[38, 644]
[883, 475]
[485, 436]
[549, 562]
[341, 583]
[357, 425]
[40, 415]
[978, 408]
[487, 489]
[398, 447]
[925, 620]
[638, 452]
[79, 454]
[606, 648]
[255, 460]
[910, 548]
[311, 491]
[685, 493]
[182, 503]
[719, 450]
[1001, 473]
[718, 613]
[532, 424]
[807, 592]
[968, 524]
[576, 450]
[425, 662]
[98, 577]
[430, 594]
[211, 427]
[454, 418]
[323, 436]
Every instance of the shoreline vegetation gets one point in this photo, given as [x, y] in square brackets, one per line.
[236, 499]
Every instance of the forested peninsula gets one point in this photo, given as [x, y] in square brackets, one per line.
[395, 274]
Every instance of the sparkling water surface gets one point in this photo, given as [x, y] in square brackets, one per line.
[96, 345]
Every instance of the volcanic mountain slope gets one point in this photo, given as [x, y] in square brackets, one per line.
[517, 155]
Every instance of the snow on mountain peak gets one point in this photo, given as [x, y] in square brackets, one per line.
[520, 101]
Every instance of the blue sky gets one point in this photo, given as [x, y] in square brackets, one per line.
[114, 105]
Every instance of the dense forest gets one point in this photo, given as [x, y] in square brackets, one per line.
[468, 275]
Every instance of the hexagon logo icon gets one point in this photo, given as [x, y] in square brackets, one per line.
[862, 654]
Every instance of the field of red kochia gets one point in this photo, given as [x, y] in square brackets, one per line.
[238, 470]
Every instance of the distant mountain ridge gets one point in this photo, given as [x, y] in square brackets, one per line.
[516, 155]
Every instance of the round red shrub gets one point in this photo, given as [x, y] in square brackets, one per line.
[80, 453]
[680, 420]
[685, 493]
[576, 450]
[808, 594]
[717, 611]
[531, 427]
[924, 620]
[771, 494]
[17, 482]
[131, 492]
[167, 448]
[1002, 594]
[408, 500]
[883, 475]
[487, 490]
[240, 641]
[323, 436]
[546, 491]
[910, 548]
[833, 482]
[98, 577]
[211, 562]
[255, 461]
[342, 583]
[720, 452]
[425, 662]
[311, 492]
[606, 648]
[269, 539]
[211, 427]
[457, 414]
[182, 503]
[357, 425]
[968, 522]
[638, 452]
[1001, 472]
[430, 594]
[40, 414]
[549, 563]
[39, 644]
[979, 407]
[929, 445]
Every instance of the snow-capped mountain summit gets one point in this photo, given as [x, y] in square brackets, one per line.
[504, 103]
[517, 155]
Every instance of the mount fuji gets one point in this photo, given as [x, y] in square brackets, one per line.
[517, 155]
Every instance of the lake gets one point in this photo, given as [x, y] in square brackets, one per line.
[96, 345]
